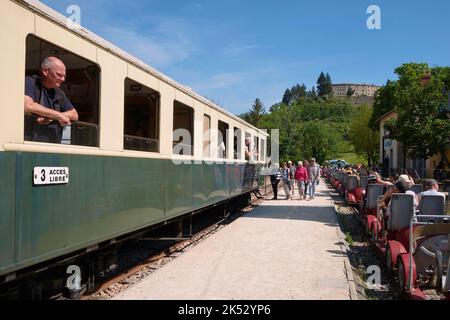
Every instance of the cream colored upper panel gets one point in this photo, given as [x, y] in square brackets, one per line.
[166, 126]
[143, 77]
[55, 34]
[184, 98]
[112, 97]
[214, 132]
[16, 23]
[198, 128]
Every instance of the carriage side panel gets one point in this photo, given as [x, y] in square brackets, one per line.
[7, 204]
[105, 197]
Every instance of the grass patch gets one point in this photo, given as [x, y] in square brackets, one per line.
[348, 238]
[352, 158]
[346, 152]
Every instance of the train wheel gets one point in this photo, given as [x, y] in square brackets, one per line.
[389, 259]
[403, 272]
[401, 275]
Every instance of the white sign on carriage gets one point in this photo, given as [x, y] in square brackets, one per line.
[50, 175]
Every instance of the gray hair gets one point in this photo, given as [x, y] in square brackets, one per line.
[50, 62]
[429, 183]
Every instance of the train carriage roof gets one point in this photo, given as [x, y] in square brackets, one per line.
[40, 8]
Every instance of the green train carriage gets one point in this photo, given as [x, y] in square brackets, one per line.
[120, 180]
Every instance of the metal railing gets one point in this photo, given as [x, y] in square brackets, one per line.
[137, 143]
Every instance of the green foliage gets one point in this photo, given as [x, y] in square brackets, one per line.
[363, 138]
[421, 126]
[295, 93]
[384, 102]
[310, 127]
[312, 94]
[350, 92]
[255, 114]
[324, 85]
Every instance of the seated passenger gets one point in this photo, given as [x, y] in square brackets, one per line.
[431, 187]
[47, 109]
[402, 185]
[379, 180]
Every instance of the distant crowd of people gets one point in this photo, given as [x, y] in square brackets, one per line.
[305, 175]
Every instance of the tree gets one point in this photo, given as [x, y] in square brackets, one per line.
[364, 139]
[317, 141]
[255, 113]
[324, 85]
[298, 92]
[312, 94]
[421, 125]
[350, 92]
[321, 85]
[384, 102]
[287, 97]
[329, 87]
[293, 94]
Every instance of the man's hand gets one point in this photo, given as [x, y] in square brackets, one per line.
[43, 121]
[63, 119]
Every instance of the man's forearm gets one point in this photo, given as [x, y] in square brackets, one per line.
[37, 109]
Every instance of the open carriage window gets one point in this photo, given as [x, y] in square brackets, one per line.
[78, 88]
[183, 129]
[237, 143]
[262, 154]
[248, 146]
[141, 117]
[256, 148]
[222, 141]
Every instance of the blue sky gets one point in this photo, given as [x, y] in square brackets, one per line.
[233, 51]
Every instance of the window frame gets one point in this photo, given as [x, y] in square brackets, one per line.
[97, 113]
[177, 103]
[157, 117]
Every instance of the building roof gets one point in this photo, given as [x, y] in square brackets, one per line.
[387, 114]
[355, 84]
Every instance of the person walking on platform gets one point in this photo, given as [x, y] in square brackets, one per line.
[285, 180]
[306, 165]
[313, 178]
[274, 180]
[291, 176]
[301, 176]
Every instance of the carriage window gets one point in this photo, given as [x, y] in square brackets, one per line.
[237, 143]
[248, 145]
[141, 125]
[183, 129]
[206, 135]
[263, 150]
[222, 140]
[256, 146]
[81, 87]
